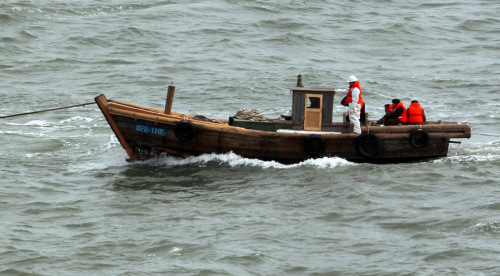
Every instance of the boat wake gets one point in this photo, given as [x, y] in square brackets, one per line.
[480, 152]
[234, 160]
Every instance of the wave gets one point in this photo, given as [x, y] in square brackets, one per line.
[484, 148]
[61, 10]
[470, 158]
[488, 152]
[5, 18]
[488, 228]
[38, 123]
[482, 25]
[230, 159]
[63, 123]
[234, 160]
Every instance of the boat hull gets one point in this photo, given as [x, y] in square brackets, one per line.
[147, 133]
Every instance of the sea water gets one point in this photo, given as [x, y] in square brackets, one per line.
[71, 204]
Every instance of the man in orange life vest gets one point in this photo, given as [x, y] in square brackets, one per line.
[354, 100]
[416, 114]
[396, 114]
[362, 117]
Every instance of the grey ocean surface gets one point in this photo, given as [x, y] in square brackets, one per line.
[71, 205]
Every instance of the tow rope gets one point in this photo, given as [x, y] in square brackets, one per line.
[45, 110]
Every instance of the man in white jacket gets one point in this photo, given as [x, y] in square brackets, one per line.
[354, 100]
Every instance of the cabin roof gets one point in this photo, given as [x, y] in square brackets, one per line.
[309, 90]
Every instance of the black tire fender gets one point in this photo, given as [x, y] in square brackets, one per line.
[367, 145]
[419, 138]
[185, 131]
[315, 144]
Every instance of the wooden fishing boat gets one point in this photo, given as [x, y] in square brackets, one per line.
[309, 132]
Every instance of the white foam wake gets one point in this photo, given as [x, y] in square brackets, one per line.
[235, 160]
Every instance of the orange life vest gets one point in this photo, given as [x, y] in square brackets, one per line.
[403, 118]
[349, 94]
[415, 113]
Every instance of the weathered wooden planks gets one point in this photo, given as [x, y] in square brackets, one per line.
[146, 132]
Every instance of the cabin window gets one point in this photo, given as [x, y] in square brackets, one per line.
[314, 102]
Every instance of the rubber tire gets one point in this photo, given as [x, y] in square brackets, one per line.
[185, 131]
[315, 144]
[367, 145]
[419, 138]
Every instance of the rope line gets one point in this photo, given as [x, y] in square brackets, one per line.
[45, 110]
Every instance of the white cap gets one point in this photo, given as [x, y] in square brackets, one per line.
[352, 78]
